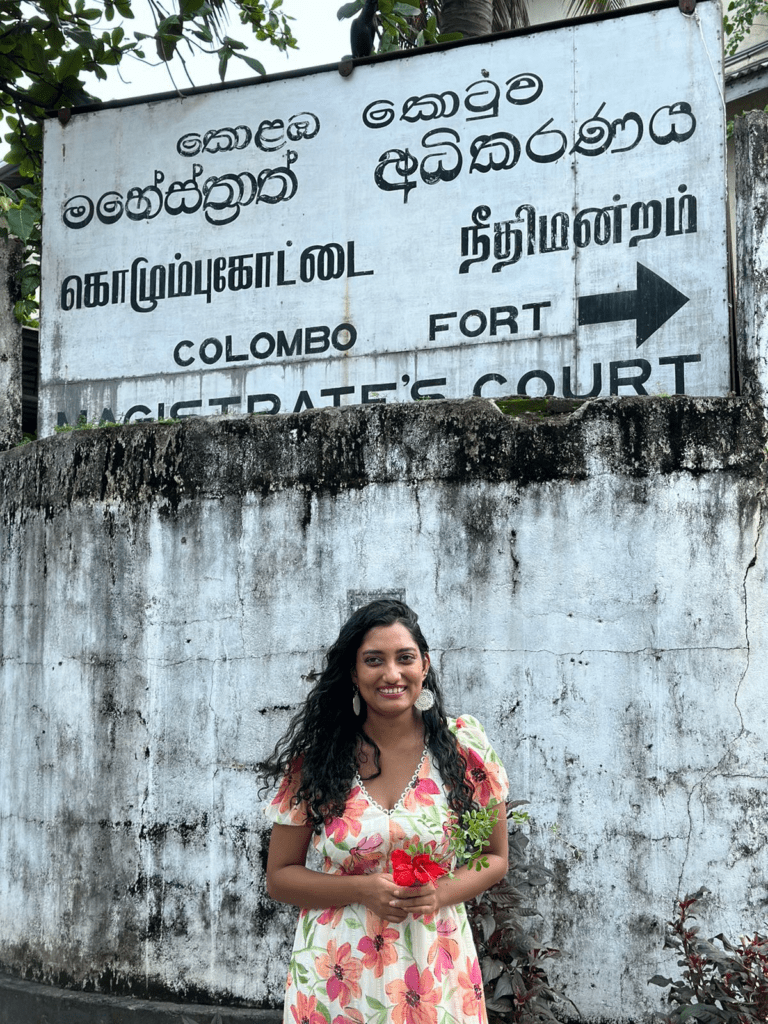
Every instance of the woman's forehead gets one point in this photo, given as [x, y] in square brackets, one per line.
[397, 637]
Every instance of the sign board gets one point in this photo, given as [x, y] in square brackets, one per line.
[537, 214]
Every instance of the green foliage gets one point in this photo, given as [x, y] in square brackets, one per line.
[83, 424]
[738, 19]
[730, 125]
[406, 24]
[470, 838]
[20, 218]
[512, 958]
[80, 424]
[537, 408]
[48, 46]
[403, 24]
[726, 984]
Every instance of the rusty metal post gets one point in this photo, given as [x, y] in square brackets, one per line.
[10, 348]
[751, 138]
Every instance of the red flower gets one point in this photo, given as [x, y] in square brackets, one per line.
[426, 869]
[417, 870]
[402, 869]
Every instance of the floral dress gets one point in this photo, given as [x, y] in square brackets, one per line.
[347, 965]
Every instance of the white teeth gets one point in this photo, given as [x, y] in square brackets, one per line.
[395, 689]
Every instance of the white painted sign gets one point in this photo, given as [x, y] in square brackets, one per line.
[541, 214]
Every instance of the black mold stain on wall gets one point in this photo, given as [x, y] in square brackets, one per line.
[328, 451]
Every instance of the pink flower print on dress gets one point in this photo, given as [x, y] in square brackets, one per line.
[350, 1016]
[359, 861]
[340, 971]
[377, 945]
[397, 836]
[415, 998]
[338, 829]
[331, 916]
[444, 950]
[284, 799]
[483, 776]
[305, 1011]
[421, 793]
[471, 982]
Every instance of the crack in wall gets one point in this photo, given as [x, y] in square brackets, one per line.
[699, 786]
[588, 650]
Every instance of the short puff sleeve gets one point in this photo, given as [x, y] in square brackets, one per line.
[283, 809]
[485, 772]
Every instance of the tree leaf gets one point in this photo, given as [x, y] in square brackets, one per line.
[21, 222]
[349, 10]
[253, 64]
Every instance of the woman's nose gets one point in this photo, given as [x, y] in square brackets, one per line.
[391, 671]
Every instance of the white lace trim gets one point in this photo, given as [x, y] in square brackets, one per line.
[376, 803]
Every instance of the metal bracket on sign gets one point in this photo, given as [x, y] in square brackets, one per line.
[687, 6]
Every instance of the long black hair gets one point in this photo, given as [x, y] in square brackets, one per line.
[323, 739]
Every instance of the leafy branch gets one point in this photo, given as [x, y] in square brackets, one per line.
[513, 959]
[48, 47]
[723, 985]
[403, 24]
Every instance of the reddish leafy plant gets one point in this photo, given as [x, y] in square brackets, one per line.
[513, 959]
[726, 984]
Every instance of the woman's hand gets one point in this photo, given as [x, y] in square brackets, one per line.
[417, 900]
[378, 892]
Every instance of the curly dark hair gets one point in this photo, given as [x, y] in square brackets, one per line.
[322, 740]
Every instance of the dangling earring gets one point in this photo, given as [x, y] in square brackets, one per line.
[425, 700]
[356, 707]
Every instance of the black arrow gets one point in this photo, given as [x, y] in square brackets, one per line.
[652, 303]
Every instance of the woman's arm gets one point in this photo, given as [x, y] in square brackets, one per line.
[290, 881]
[466, 882]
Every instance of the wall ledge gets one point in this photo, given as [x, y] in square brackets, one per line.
[335, 450]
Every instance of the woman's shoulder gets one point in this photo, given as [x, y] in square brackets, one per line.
[468, 730]
[485, 771]
[286, 808]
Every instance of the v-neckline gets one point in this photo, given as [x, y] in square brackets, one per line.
[375, 803]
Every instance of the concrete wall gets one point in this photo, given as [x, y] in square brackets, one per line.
[10, 347]
[593, 586]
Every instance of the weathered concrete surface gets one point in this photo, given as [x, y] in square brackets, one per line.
[10, 347]
[751, 142]
[594, 588]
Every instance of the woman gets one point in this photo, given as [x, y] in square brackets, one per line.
[370, 766]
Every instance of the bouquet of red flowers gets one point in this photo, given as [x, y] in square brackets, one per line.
[416, 869]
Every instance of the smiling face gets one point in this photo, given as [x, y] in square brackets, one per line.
[389, 669]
